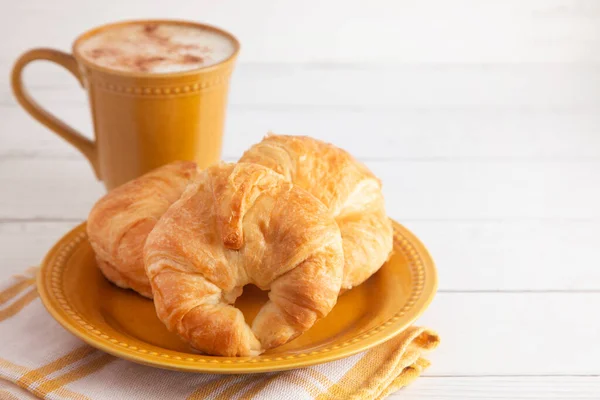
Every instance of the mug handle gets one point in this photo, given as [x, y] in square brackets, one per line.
[86, 146]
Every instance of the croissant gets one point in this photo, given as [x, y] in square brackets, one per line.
[239, 224]
[119, 222]
[347, 188]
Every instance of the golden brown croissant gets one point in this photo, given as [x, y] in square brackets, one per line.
[240, 224]
[348, 189]
[119, 222]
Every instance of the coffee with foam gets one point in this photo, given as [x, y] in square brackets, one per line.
[157, 47]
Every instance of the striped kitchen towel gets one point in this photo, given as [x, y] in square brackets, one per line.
[39, 359]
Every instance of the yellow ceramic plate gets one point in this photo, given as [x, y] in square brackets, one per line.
[124, 324]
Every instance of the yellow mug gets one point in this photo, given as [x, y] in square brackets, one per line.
[141, 120]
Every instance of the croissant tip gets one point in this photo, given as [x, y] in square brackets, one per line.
[232, 241]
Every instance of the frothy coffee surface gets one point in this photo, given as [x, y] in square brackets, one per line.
[156, 48]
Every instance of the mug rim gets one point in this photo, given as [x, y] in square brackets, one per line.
[93, 31]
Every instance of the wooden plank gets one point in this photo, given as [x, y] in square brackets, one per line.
[489, 190]
[25, 244]
[436, 190]
[498, 388]
[392, 134]
[515, 333]
[412, 86]
[342, 31]
[546, 255]
[34, 189]
[470, 256]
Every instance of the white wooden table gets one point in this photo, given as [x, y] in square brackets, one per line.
[482, 118]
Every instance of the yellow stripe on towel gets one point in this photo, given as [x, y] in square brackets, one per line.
[18, 305]
[52, 385]
[56, 365]
[10, 292]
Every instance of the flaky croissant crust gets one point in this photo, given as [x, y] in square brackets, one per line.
[120, 222]
[347, 188]
[240, 224]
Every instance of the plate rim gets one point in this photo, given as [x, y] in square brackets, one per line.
[423, 291]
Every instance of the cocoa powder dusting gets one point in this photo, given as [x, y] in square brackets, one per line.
[186, 46]
[143, 63]
[102, 52]
[150, 28]
[191, 59]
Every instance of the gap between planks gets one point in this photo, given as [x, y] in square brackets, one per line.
[41, 154]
